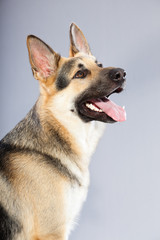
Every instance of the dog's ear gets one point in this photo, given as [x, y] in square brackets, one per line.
[43, 60]
[78, 42]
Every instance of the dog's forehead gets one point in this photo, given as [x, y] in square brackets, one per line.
[76, 62]
[86, 58]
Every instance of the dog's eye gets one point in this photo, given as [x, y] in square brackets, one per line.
[81, 74]
[100, 65]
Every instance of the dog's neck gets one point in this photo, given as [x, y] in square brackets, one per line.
[85, 135]
[81, 136]
[81, 139]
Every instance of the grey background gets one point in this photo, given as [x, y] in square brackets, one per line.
[124, 196]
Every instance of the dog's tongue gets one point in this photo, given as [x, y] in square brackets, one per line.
[114, 111]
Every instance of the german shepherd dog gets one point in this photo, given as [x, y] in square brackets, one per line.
[44, 160]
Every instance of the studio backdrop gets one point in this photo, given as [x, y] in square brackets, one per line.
[124, 196]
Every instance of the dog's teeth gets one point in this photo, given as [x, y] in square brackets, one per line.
[93, 108]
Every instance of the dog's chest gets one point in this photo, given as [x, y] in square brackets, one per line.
[63, 208]
[75, 196]
[57, 204]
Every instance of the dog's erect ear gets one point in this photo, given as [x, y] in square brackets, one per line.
[43, 59]
[78, 42]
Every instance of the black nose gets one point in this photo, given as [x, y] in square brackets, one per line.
[117, 74]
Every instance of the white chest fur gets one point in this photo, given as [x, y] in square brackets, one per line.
[75, 196]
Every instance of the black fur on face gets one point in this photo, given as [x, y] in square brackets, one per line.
[63, 80]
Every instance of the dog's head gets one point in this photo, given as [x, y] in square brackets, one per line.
[78, 85]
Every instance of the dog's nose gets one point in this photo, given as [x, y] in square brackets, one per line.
[117, 74]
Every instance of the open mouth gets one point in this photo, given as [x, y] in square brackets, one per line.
[102, 109]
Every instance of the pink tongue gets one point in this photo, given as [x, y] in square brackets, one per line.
[116, 112]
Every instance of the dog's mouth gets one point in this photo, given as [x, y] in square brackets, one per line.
[102, 109]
